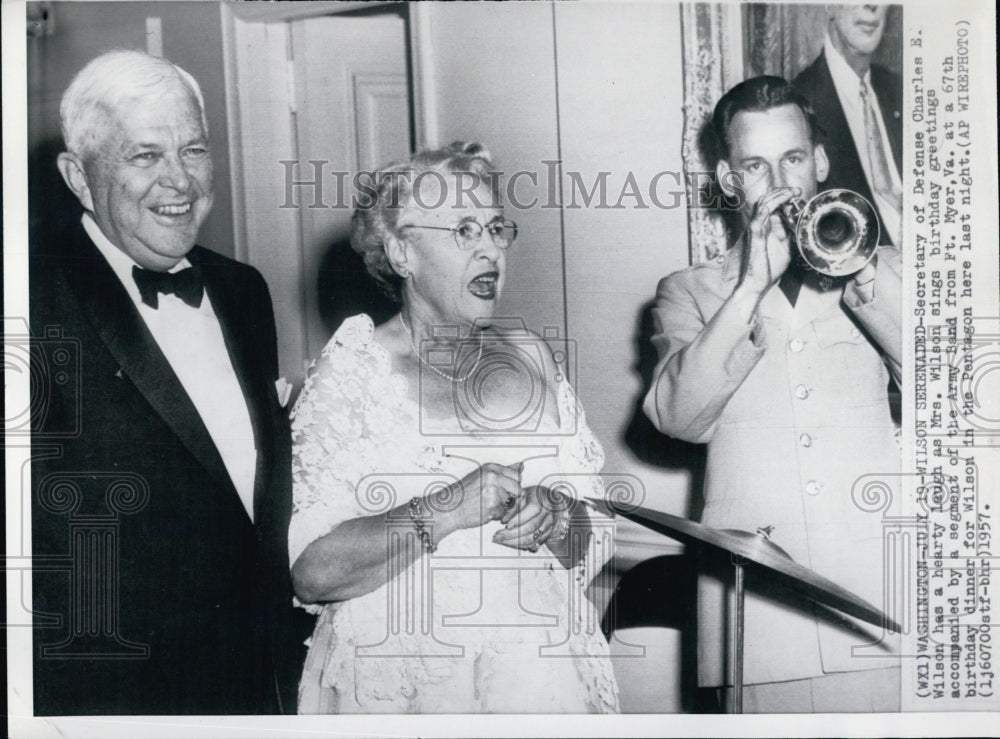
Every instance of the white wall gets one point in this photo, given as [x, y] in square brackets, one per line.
[620, 94]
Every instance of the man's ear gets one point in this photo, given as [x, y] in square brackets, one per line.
[75, 176]
[822, 163]
[726, 178]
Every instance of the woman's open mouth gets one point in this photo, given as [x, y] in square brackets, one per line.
[484, 286]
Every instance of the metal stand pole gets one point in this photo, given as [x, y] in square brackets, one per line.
[737, 706]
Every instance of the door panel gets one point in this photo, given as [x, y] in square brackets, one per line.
[352, 113]
[382, 108]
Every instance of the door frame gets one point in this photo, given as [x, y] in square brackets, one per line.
[260, 107]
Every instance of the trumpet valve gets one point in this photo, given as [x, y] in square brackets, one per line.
[790, 212]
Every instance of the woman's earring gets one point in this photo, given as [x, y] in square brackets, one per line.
[404, 273]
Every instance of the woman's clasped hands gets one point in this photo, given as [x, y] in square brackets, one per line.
[532, 516]
[539, 516]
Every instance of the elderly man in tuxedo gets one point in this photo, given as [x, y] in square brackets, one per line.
[859, 107]
[785, 378]
[161, 473]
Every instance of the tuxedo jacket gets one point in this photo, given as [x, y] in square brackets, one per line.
[816, 85]
[154, 592]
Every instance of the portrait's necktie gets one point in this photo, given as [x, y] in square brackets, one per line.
[878, 160]
[186, 284]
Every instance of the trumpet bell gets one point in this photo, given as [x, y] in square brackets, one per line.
[837, 232]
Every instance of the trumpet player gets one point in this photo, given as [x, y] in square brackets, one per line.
[785, 377]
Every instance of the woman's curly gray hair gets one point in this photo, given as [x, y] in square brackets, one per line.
[379, 206]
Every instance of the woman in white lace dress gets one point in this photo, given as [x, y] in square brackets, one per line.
[440, 464]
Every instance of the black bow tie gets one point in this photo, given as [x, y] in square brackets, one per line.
[185, 284]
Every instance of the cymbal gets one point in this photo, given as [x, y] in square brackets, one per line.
[757, 548]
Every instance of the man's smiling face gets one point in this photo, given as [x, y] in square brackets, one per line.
[149, 178]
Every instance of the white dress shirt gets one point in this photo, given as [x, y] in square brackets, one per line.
[191, 340]
[848, 86]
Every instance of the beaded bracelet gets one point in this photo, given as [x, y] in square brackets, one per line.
[418, 524]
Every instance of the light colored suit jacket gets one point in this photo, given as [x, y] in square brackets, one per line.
[795, 413]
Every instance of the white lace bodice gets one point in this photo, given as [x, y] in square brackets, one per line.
[360, 450]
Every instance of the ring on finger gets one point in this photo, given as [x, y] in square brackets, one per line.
[543, 532]
[560, 530]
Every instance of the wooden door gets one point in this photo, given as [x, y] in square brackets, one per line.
[352, 113]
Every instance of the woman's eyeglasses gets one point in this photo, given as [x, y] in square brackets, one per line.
[468, 233]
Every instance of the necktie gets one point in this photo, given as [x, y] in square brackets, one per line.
[790, 283]
[878, 160]
[185, 284]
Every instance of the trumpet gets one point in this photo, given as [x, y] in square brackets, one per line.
[836, 231]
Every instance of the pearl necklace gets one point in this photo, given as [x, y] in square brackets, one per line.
[431, 367]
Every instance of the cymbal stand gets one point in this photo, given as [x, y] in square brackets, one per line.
[737, 703]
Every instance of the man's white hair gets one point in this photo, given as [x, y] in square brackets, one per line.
[111, 81]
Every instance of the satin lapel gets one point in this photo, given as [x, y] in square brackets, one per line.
[235, 319]
[109, 309]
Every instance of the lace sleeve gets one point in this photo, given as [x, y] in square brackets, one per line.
[582, 453]
[331, 449]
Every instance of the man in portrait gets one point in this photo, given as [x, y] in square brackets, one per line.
[161, 473]
[859, 107]
[784, 376]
